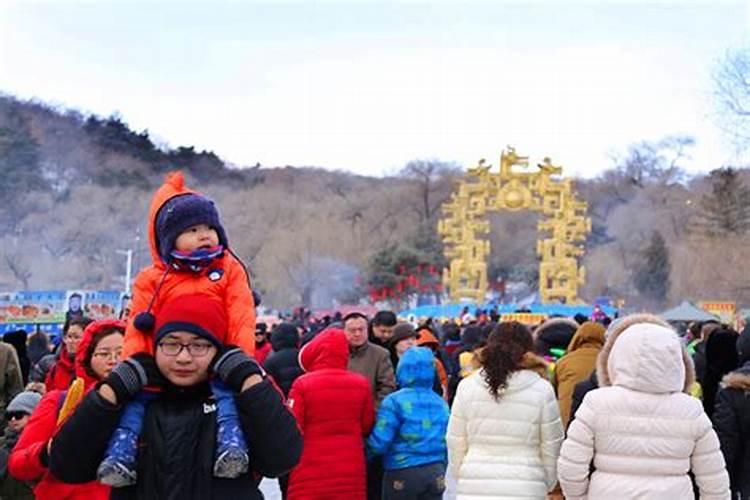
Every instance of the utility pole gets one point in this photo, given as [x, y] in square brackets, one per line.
[128, 267]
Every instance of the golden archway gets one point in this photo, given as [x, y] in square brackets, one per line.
[564, 226]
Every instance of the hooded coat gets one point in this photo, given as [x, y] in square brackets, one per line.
[505, 448]
[62, 372]
[554, 333]
[28, 461]
[411, 422]
[283, 363]
[334, 409]
[226, 281]
[577, 364]
[641, 428]
[732, 421]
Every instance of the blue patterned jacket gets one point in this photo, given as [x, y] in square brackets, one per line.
[411, 422]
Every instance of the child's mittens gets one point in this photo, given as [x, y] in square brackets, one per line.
[134, 374]
[233, 367]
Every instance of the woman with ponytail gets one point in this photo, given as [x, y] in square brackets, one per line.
[504, 433]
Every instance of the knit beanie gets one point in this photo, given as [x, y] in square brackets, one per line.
[182, 212]
[402, 331]
[25, 401]
[197, 314]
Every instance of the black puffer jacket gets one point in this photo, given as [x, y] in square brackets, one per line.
[732, 423]
[176, 449]
[579, 392]
[283, 363]
[721, 358]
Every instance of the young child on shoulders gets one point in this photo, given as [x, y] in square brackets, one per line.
[190, 255]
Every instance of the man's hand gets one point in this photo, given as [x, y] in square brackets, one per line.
[237, 369]
[132, 375]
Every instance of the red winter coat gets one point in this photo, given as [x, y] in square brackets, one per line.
[24, 462]
[61, 374]
[335, 411]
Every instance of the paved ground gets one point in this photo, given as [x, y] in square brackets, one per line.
[270, 489]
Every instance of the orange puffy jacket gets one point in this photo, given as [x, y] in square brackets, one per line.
[231, 290]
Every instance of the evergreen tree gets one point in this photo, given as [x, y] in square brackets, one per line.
[726, 209]
[399, 270]
[20, 166]
[651, 276]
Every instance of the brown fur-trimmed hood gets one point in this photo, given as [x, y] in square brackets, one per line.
[738, 379]
[590, 335]
[614, 333]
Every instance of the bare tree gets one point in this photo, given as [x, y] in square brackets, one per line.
[19, 267]
[732, 96]
[433, 182]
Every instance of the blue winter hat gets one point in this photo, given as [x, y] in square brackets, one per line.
[182, 212]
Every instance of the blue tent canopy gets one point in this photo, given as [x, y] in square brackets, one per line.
[454, 310]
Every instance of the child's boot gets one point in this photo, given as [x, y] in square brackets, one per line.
[231, 449]
[119, 464]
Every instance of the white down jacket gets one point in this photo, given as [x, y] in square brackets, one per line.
[640, 428]
[507, 448]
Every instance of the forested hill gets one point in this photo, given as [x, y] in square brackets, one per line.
[75, 189]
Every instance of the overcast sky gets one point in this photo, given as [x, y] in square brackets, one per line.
[368, 86]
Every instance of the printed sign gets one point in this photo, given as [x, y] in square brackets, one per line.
[525, 318]
[55, 306]
[724, 310]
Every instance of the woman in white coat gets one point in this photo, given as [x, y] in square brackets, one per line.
[642, 430]
[504, 432]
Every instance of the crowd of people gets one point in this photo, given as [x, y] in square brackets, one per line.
[378, 408]
[188, 398]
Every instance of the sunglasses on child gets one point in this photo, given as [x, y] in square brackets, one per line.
[16, 415]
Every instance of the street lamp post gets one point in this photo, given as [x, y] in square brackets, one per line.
[128, 268]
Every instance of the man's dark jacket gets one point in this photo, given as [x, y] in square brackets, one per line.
[176, 448]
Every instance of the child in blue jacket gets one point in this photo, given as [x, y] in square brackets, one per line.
[410, 432]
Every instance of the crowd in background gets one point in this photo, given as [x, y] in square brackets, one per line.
[190, 397]
[623, 408]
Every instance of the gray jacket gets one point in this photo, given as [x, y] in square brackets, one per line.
[374, 363]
